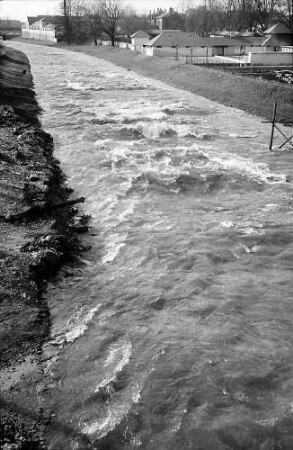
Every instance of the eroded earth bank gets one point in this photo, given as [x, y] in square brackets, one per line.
[38, 233]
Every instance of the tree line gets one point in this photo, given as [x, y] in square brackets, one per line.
[91, 19]
[236, 15]
[85, 19]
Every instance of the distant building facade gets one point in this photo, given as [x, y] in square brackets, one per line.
[168, 20]
[278, 36]
[48, 28]
[139, 39]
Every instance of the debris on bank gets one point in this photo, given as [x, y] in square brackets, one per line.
[39, 231]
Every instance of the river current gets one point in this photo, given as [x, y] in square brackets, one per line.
[176, 333]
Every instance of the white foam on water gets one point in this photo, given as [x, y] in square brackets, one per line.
[75, 327]
[82, 86]
[120, 408]
[128, 211]
[259, 172]
[183, 130]
[252, 230]
[103, 144]
[115, 243]
[119, 152]
[246, 228]
[75, 86]
[240, 135]
[112, 74]
[271, 207]
[152, 130]
[139, 111]
[79, 323]
[117, 359]
[227, 224]
[108, 203]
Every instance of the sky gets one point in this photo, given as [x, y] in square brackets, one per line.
[20, 9]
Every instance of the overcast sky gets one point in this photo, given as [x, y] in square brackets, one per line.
[19, 9]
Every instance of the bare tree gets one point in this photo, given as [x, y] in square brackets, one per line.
[66, 7]
[130, 22]
[111, 13]
[265, 10]
[186, 5]
[286, 8]
[92, 12]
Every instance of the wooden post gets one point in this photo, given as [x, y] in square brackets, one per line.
[273, 125]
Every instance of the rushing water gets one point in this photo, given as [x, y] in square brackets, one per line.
[176, 333]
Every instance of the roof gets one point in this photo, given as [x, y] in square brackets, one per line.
[226, 42]
[278, 28]
[32, 19]
[172, 38]
[54, 20]
[140, 34]
[251, 40]
[278, 41]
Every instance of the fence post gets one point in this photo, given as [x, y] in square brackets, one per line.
[273, 125]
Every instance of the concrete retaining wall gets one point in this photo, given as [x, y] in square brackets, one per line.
[270, 59]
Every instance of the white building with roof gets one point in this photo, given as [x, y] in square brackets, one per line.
[138, 40]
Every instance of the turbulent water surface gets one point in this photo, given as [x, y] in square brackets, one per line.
[177, 331]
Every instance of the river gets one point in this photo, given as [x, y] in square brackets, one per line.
[176, 332]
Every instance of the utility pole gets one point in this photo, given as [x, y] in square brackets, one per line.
[67, 21]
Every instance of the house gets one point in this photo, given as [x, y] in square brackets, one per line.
[171, 20]
[48, 28]
[252, 50]
[277, 48]
[178, 43]
[138, 39]
[278, 36]
[173, 42]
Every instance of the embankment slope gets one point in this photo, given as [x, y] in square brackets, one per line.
[37, 235]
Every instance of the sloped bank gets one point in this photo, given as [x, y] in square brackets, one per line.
[38, 230]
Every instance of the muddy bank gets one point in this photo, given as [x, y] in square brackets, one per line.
[38, 229]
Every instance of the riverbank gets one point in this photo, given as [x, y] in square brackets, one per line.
[38, 234]
[254, 96]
